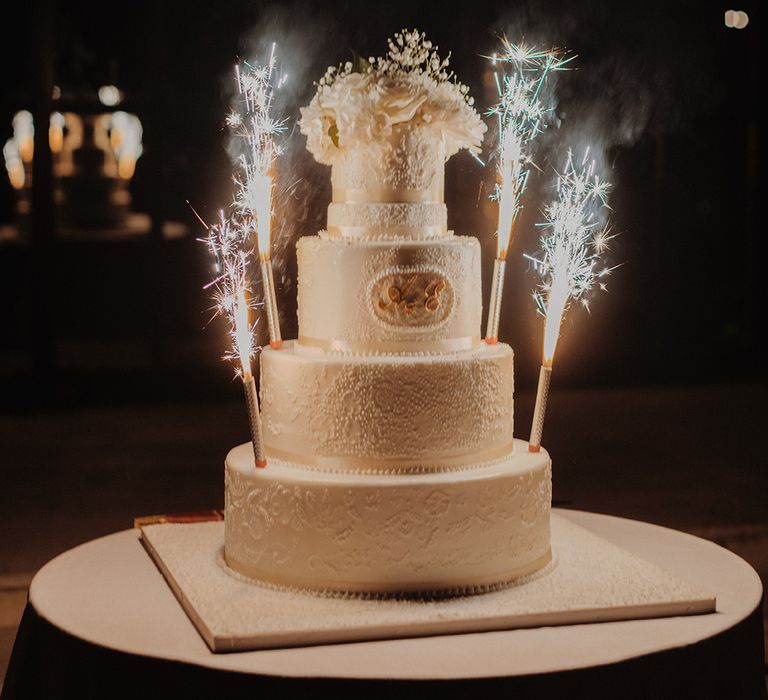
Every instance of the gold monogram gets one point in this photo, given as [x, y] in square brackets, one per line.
[417, 292]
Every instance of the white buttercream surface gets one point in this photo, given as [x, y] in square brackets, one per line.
[382, 533]
[345, 286]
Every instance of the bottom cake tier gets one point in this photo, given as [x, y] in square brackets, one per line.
[445, 532]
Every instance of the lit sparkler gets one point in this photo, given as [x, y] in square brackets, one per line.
[521, 115]
[573, 241]
[229, 243]
[255, 169]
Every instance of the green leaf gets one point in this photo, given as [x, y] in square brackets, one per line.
[333, 132]
[359, 64]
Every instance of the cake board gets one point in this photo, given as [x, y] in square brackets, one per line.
[589, 580]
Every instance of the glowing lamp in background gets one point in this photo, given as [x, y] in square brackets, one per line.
[94, 157]
[109, 95]
[56, 132]
[13, 164]
[19, 150]
[126, 142]
[24, 134]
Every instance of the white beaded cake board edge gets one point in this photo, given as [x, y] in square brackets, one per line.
[590, 580]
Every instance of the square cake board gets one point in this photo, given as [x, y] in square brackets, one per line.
[589, 580]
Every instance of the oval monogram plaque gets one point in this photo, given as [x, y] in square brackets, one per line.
[412, 298]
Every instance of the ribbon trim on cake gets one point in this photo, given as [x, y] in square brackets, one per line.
[370, 465]
[393, 346]
[367, 232]
[384, 195]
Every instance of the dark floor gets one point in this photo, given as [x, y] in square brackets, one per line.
[691, 458]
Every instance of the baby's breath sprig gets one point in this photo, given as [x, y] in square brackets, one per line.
[411, 55]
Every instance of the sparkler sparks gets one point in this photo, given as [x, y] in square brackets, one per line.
[253, 124]
[521, 114]
[572, 244]
[231, 241]
[573, 241]
[232, 250]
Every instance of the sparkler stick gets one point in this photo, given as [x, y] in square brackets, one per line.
[270, 301]
[255, 179]
[521, 117]
[542, 394]
[243, 341]
[572, 244]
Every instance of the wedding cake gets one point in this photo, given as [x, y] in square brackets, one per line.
[388, 423]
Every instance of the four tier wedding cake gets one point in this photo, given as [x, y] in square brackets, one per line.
[388, 423]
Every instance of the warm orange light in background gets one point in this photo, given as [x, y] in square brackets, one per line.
[56, 132]
[14, 165]
[24, 134]
[125, 136]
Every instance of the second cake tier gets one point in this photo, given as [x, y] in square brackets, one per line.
[387, 413]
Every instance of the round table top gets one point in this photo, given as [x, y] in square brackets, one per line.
[109, 592]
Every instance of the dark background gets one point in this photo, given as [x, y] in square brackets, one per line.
[113, 399]
[665, 92]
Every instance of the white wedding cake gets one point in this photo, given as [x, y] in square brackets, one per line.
[388, 423]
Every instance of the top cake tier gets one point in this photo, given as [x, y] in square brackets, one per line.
[390, 188]
[386, 126]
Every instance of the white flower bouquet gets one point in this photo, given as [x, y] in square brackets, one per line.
[363, 102]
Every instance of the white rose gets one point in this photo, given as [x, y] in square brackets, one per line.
[399, 99]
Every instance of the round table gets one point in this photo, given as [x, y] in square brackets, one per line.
[102, 622]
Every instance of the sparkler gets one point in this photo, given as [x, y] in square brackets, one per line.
[255, 169]
[231, 241]
[228, 243]
[572, 244]
[521, 116]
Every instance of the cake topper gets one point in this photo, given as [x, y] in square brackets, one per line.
[362, 101]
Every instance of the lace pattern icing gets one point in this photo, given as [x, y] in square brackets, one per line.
[293, 526]
[397, 409]
[421, 595]
[378, 216]
[412, 158]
